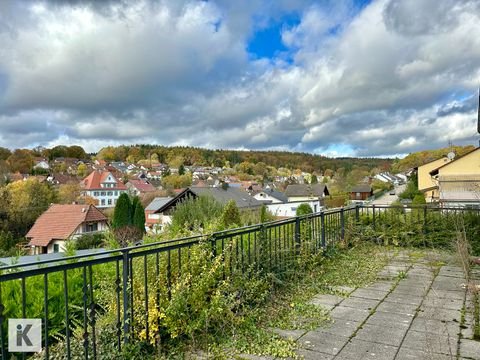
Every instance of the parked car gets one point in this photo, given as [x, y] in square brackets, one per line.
[392, 192]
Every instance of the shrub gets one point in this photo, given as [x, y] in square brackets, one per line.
[304, 209]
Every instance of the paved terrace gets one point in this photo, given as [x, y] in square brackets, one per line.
[414, 311]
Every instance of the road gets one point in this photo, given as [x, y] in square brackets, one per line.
[387, 199]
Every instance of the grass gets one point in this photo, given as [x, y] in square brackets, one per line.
[289, 308]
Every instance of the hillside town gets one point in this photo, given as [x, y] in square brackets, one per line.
[86, 191]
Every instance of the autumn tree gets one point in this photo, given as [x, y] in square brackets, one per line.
[21, 160]
[26, 201]
[69, 193]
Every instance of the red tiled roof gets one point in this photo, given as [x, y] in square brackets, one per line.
[142, 186]
[61, 221]
[93, 181]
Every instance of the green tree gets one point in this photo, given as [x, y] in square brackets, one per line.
[203, 211]
[230, 215]
[419, 199]
[314, 179]
[122, 212]
[304, 209]
[139, 217]
[181, 170]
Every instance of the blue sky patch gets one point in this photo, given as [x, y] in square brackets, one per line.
[267, 42]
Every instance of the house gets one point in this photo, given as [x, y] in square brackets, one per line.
[387, 177]
[306, 192]
[361, 192]
[271, 196]
[41, 163]
[459, 181]
[155, 220]
[426, 184]
[139, 186]
[60, 223]
[104, 187]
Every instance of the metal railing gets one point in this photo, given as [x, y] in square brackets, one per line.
[130, 283]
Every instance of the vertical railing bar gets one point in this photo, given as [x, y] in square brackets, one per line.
[85, 314]
[24, 304]
[117, 290]
[45, 300]
[92, 313]
[157, 292]
[179, 254]
[169, 274]
[125, 280]
[67, 316]
[145, 279]
[132, 308]
[2, 335]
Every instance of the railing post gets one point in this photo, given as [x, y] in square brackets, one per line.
[322, 222]
[374, 226]
[126, 297]
[297, 235]
[357, 213]
[342, 224]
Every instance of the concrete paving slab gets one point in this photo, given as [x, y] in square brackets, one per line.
[413, 354]
[313, 355]
[446, 294]
[403, 298]
[416, 292]
[340, 327]
[326, 300]
[391, 307]
[470, 349]
[359, 303]
[380, 285]
[427, 343]
[322, 342]
[349, 313]
[453, 304]
[360, 350]
[381, 334]
[442, 314]
[369, 294]
[390, 319]
[436, 327]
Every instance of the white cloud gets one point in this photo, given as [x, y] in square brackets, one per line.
[387, 80]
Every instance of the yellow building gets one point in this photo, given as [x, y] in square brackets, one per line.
[459, 180]
[426, 184]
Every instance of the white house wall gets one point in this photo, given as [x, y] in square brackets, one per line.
[290, 209]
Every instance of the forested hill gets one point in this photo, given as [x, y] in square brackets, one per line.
[206, 157]
[422, 157]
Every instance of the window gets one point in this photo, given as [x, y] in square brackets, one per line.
[116, 193]
[109, 193]
[109, 201]
[56, 248]
[91, 227]
[95, 193]
[103, 193]
[103, 202]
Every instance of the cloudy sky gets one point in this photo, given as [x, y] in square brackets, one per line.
[352, 77]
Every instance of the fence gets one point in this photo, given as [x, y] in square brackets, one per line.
[133, 284]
